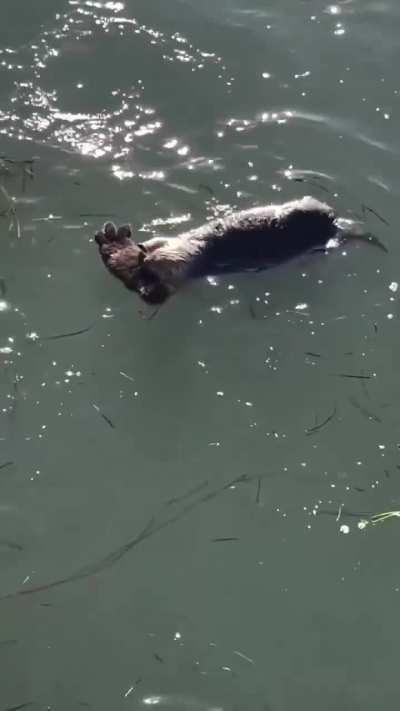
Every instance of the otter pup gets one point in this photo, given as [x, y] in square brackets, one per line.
[256, 239]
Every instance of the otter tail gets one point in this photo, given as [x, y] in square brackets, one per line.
[347, 230]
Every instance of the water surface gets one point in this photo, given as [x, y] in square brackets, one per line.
[181, 497]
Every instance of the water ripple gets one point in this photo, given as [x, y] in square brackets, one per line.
[41, 112]
[336, 124]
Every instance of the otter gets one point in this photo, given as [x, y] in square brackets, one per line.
[252, 239]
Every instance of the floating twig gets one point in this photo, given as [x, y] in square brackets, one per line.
[125, 375]
[322, 424]
[313, 355]
[158, 658]
[243, 656]
[227, 539]
[19, 706]
[191, 492]
[68, 334]
[3, 288]
[105, 417]
[373, 239]
[351, 375]
[365, 209]
[258, 494]
[132, 688]
[5, 465]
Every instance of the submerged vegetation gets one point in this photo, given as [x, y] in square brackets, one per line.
[11, 169]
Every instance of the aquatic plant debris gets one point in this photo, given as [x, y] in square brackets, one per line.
[128, 377]
[258, 494]
[365, 209]
[151, 529]
[105, 417]
[68, 334]
[195, 490]
[344, 513]
[384, 516]
[224, 540]
[351, 375]
[373, 239]
[364, 410]
[366, 518]
[320, 425]
[11, 212]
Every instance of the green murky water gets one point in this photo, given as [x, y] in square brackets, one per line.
[132, 450]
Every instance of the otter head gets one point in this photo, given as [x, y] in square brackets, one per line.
[126, 260]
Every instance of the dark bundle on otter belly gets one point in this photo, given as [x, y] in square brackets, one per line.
[250, 239]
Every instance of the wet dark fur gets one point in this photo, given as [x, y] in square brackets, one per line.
[251, 239]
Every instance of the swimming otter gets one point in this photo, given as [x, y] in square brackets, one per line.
[257, 238]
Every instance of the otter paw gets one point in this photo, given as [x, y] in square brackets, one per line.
[119, 252]
[109, 234]
[113, 241]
